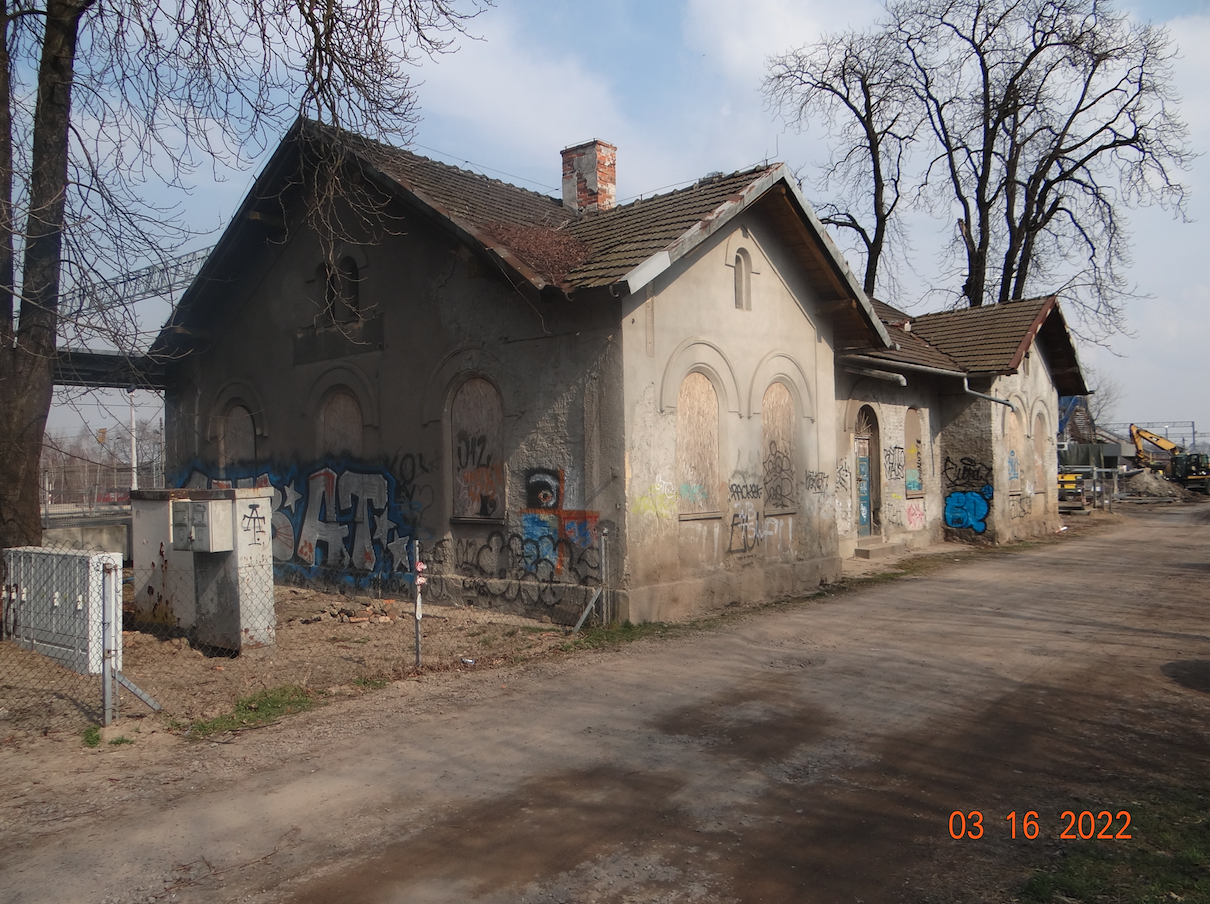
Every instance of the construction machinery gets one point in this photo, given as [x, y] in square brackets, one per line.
[1190, 469]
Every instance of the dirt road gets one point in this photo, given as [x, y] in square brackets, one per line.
[808, 755]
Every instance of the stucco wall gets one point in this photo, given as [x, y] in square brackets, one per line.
[435, 316]
[910, 517]
[999, 467]
[692, 546]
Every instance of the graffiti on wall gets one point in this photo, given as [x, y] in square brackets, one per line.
[478, 478]
[333, 521]
[894, 462]
[968, 509]
[844, 477]
[1020, 506]
[778, 478]
[659, 499]
[817, 482]
[965, 474]
[914, 512]
[913, 479]
[969, 494]
[555, 549]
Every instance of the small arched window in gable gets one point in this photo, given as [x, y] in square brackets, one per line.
[341, 288]
[743, 280]
[913, 443]
[341, 426]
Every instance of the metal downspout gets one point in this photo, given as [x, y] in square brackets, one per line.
[966, 388]
[921, 368]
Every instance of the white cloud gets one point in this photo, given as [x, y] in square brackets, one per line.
[739, 37]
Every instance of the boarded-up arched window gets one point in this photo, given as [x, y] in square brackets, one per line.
[1042, 451]
[697, 445]
[1014, 440]
[913, 445]
[477, 424]
[340, 428]
[237, 436]
[777, 447]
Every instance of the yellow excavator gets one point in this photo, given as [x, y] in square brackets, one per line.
[1189, 469]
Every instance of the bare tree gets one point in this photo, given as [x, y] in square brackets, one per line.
[1042, 122]
[101, 100]
[859, 84]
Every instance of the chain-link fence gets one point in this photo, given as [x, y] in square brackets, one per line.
[195, 631]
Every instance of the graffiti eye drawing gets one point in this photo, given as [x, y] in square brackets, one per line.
[543, 489]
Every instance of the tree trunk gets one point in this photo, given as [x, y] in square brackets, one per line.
[27, 366]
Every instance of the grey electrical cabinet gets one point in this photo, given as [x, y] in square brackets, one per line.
[202, 526]
[214, 578]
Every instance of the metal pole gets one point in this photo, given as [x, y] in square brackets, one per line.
[606, 608]
[134, 451]
[109, 697]
[419, 583]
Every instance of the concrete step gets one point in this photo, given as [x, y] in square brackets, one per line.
[879, 550]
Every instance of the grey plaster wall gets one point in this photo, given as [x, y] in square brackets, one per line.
[434, 316]
[689, 546]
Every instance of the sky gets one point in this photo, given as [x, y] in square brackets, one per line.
[676, 87]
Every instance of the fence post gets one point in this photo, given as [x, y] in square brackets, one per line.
[606, 599]
[419, 572]
[109, 689]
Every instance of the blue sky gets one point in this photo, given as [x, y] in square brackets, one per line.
[676, 86]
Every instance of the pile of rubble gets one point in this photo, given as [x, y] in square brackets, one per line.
[1151, 483]
[357, 610]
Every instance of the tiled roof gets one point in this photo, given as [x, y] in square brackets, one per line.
[460, 194]
[546, 244]
[988, 339]
[624, 237]
[912, 350]
[614, 241]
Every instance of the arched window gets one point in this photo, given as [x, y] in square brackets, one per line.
[341, 426]
[476, 432]
[913, 445]
[697, 445]
[743, 280]
[1042, 452]
[342, 302]
[1014, 440]
[237, 436]
[777, 448]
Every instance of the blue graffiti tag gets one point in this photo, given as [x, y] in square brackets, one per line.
[968, 510]
[333, 521]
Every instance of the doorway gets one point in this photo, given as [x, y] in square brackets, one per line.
[866, 447]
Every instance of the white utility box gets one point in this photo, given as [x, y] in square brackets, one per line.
[203, 563]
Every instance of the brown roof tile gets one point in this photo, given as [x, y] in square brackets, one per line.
[987, 339]
[912, 350]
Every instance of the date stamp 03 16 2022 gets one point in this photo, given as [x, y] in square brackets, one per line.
[1103, 825]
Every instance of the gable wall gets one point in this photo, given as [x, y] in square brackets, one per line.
[345, 516]
[701, 536]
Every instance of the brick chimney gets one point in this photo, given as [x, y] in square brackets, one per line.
[590, 177]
